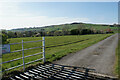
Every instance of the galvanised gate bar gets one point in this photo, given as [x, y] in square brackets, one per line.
[23, 57]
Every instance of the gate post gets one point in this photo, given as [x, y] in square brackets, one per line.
[23, 56]
[43, 44]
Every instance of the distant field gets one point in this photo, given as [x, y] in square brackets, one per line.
[56, 47]
[69, 27]
[75, 26]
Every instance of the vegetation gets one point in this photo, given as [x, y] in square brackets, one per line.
[117, 66]
[67, 26]
[3, 37]
[56, 47]
[60, 30]
[60, 40]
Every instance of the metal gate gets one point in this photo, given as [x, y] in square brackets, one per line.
[23, 57]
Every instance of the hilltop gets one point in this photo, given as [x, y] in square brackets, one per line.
[70, 26]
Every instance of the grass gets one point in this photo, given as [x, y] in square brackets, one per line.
[69, 26]
[56, 47]
[117, 65]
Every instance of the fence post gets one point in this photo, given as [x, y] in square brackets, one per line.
[23, 56]
[43, 43]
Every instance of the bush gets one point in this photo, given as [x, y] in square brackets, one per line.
[81, 32]
[4, 39]
[74, 32]
[86, 31]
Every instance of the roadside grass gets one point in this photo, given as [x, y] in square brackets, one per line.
[117, 65]
[56, 48]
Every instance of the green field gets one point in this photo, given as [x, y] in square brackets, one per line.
[75, 26]
[56, 47]
[69, 27]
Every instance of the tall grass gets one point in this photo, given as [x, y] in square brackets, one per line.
[117, 66]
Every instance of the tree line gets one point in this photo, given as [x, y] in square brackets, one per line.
[64, 31]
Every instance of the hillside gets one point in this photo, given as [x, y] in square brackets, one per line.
[68, 26]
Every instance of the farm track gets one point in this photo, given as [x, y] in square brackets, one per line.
[100, 56]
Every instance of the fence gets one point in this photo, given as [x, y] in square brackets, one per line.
[23, 57]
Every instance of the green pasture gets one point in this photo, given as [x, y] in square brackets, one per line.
[56, 47]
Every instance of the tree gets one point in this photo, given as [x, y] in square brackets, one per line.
[19, 34]
[4, 31]
[15, 34]
[74, 31]
[86, 31]
[65, 30]
[57, 33]
[10, 34]
[4, 39]
[43, 32]
[114, 25]
[81, 26]
[51, 33]
[3, 36]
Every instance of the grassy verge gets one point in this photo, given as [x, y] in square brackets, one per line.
[56, 48]
[117, 65]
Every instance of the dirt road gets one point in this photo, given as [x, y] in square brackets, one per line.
[100, 56]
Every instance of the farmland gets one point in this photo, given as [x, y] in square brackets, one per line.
[68, 26]
[56, 47]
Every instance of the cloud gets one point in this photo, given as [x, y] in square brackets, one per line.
[11, 16]
[9, 9]
[20, 22]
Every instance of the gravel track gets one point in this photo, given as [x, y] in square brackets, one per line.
[100, 56]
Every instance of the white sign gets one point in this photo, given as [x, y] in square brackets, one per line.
[6, 48]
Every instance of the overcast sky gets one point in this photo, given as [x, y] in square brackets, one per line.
[30, 14]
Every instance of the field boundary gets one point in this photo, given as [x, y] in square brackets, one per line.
[23, 57]
[52, 56]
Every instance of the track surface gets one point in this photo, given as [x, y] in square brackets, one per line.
[100, 56]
